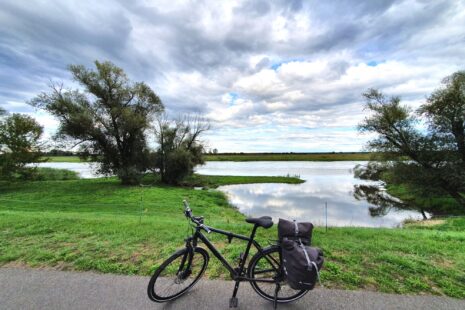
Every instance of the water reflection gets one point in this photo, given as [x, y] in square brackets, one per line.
[382, 202]
[350, 201]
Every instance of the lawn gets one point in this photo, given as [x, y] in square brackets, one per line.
[99, 225]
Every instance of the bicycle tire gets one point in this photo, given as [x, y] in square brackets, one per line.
[155, 291]
[266, 290]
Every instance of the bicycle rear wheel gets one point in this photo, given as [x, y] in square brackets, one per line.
[266, 265]
[177, 274]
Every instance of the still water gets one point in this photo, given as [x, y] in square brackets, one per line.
[328, 184]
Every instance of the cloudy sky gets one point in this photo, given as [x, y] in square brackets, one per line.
[270, 75]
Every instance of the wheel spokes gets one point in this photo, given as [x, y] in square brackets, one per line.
[175, 277]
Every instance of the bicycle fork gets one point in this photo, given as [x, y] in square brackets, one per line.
[186, 261]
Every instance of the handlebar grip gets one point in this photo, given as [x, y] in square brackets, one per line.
[206, 229]
[186, 205]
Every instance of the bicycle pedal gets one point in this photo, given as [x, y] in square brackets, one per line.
[233, 302]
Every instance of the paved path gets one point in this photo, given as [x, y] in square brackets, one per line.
[47, 289]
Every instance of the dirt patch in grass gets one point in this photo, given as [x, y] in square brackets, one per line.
[431, 222]
[16, 264]
[60, 266]
[445, 263]
[425, 223]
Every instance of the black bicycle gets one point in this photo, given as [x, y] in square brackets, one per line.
[184, 268]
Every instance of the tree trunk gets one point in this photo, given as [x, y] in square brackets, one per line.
[423, 214]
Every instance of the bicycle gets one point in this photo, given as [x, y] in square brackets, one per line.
[179, 273]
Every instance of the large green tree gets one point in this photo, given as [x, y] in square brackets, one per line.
[19, 144]
[430, 162]
[108, 118]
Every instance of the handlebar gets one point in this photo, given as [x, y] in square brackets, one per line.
[197, 220]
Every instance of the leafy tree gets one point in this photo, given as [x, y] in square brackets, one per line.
[19, 144]
[179, 147]
[108, 120]
[429, 163]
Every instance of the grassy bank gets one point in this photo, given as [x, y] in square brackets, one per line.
[99, 225]
[214, 181]
[258, 157]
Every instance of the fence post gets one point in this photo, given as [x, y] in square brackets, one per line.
[326, 215]
[141, 205]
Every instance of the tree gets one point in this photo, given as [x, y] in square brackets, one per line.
[445, 111]
[179, 147]
[429, 162]
[108, 120]
[19, 144]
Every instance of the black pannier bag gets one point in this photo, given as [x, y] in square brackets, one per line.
[301, 263]
[293, 230]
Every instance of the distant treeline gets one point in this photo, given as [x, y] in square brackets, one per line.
[290, 156]
[285, 153]
[63, 156]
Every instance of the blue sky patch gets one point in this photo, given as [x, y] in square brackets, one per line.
[275, 66]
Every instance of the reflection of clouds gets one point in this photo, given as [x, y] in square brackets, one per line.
[276, 203]
[326, 182]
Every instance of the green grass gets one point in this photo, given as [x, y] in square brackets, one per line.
[52, 174]
[63, 159]
[99, 225]
[440, 205]
[258, 157]
[214, 181]
[43, 174]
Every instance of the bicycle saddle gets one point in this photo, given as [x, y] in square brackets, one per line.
[264, 221]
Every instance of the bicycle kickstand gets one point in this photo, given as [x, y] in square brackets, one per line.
[276, 290]
[233, 301]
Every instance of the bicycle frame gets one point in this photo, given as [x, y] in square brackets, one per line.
[236, 273]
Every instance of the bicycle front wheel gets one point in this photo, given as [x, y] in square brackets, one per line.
[177, 274]
[267, 265]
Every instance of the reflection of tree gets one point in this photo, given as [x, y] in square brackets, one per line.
[383, 203]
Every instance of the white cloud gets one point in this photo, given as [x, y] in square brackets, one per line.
[261, 71]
